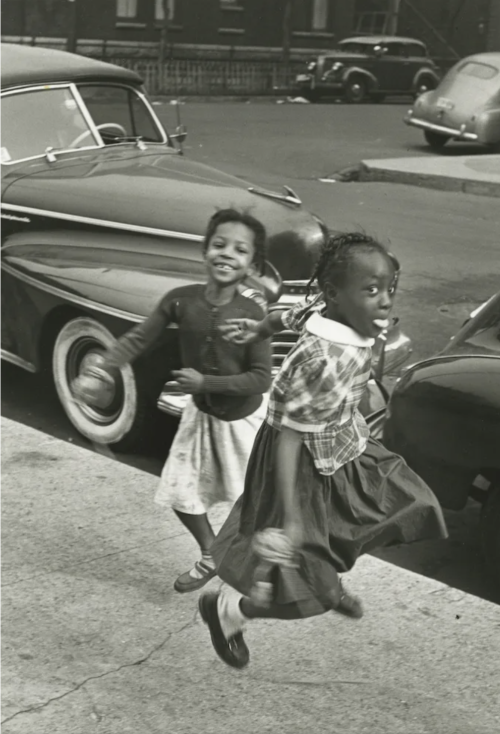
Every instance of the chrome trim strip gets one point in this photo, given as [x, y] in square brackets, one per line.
[103, 223]
[72, 298]
[447, 358]
[290, 198]
[453, 132]
[18, 361]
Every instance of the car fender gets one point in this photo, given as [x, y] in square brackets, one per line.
[425, 71]
[444, 418]
[359, 71]
[488, 126]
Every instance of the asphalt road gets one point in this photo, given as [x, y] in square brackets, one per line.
[447, 244]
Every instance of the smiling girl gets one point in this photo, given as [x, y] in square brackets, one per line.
[323, 489]
[208, 457]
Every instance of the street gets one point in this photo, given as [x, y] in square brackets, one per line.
[447, 244]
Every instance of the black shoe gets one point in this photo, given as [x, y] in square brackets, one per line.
[349, 604]
[232, 651]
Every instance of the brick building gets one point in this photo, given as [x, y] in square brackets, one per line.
[248, 28]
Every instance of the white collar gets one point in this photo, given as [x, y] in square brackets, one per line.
[334, 331]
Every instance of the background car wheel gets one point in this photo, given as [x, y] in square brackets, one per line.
[426, 84]
[435, 140]
[356, 90]
[490, 530]
[122, 422]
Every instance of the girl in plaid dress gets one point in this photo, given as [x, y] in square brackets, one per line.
[319, 492]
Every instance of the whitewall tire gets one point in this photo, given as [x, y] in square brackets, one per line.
[119, 421]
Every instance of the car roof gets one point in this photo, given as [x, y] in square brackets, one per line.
[488, 56]
[23, 65]
[381, 39]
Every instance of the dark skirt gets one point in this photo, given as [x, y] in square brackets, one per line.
[373, 501]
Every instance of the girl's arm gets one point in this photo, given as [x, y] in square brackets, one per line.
[247, 331]
[254, 381]
[287, 462]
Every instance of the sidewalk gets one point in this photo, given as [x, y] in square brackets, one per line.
[96, 640]
[470, 174]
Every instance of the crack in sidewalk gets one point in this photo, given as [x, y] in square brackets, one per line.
[78, 686]
[59, 569]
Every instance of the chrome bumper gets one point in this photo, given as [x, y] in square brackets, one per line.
[458, 134]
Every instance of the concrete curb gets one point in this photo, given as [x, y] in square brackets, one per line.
[449, 175]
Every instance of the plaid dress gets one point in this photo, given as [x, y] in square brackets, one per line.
[354, 495]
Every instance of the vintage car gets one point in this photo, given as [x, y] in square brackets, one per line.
[101, 216]
[465, 106]
[368, 68]
[444, 419]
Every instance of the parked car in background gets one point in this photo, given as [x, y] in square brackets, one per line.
[444, 419]
[368, 68]
[101, 216]
[465, 106]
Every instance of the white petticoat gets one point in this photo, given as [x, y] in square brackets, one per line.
[207, 460]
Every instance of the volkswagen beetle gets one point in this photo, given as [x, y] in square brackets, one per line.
[444, 419]
[465, 106]
[368, 68]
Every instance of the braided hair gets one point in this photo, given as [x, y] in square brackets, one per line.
[223, 216]
[337, 255]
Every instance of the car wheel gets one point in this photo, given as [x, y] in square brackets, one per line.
[355, 90]
[435, 140]
[122, 421]
[490, 530]
[426, 84]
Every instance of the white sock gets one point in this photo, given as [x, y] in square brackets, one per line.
[231, 618]
[208, 562]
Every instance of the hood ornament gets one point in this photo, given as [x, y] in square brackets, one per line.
[290, 197]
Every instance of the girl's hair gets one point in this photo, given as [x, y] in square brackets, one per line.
[223, 216]
[337, 255]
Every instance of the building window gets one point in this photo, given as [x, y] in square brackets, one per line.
[126, 8]
[160, 12]
[371, 22]
[319, 20]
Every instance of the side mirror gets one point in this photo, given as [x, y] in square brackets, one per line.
[180, 134]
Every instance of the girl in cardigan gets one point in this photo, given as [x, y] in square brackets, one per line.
[319, 491]
[208, 457]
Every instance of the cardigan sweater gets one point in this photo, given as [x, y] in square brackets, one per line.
[235, 376]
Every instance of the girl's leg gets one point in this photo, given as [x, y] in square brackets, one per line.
[199, 527]
[204, 569]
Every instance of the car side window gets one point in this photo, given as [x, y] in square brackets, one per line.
[416, 50]
[395, 49]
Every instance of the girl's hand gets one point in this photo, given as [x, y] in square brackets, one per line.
[240, 331]
[189, 380]
[92, 387]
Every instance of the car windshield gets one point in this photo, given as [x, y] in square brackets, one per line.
[482, 333]
[53, 118]
[478, 70]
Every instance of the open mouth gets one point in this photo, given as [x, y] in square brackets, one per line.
[224, 267]
[381, 323]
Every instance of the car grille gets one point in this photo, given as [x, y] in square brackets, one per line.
[283, 341]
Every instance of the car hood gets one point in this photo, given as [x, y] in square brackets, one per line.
[162, 191]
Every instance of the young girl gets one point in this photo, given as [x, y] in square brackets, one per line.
[208, 457]
[314, 473]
